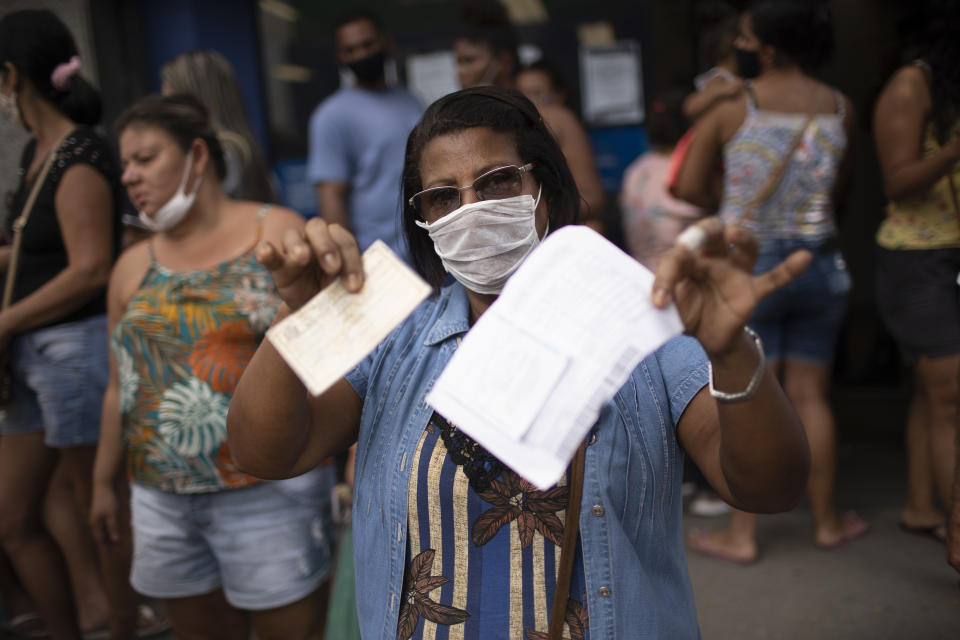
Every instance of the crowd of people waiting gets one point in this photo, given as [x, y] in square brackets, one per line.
[155, 447]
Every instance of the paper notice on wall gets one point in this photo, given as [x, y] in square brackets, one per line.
[431, 76]
[534, 372]
[333, 332]
[611, 84]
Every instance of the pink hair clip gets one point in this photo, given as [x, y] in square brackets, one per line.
[63, 72]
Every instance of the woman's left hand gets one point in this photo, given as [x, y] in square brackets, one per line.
[713, 285]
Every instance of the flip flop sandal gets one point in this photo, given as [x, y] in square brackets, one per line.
[699, 541]
[150, 623]
[858, 529]
[936, 532]
[27, 625]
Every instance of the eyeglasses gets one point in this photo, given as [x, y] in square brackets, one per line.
[496, 184]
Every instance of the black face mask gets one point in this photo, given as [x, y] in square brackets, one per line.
[748, 63]
[369, 69]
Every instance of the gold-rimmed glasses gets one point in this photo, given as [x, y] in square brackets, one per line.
[496, 184]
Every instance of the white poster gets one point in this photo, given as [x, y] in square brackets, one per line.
[611, 82]
[432, 75]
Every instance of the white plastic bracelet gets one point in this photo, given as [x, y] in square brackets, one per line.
[753, 385]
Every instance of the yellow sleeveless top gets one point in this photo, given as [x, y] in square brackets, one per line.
[928, 221]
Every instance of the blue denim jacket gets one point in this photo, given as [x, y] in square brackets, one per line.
[630, 521]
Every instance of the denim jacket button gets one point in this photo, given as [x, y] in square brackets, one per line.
[604, 592]
[593, 438]
[597, 510]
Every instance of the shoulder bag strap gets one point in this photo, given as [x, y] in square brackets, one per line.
[21, 222]
[774, 181]
[571, 527]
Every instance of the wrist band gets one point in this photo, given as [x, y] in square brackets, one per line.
[753, 385]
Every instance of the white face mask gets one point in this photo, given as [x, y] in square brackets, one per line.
[481, 244]
[9, 108]
[173, 212]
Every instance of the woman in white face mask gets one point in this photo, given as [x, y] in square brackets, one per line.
[187, 309]
[445, 535]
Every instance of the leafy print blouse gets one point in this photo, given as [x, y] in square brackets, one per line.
[482, 564]
[181, 347]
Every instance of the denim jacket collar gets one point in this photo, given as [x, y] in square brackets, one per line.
[631, 527]
[454, 317]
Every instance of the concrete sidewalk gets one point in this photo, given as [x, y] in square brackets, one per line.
[889, 585]
[886, 585]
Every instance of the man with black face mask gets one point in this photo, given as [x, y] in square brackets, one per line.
[358, 136]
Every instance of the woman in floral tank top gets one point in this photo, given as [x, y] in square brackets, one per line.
[784, 149]
[187, 309]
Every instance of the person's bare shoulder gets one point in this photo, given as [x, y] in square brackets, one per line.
[724, 118]
[908, 85]
[278, 220]
[129, 270]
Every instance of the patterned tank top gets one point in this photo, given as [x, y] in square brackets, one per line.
[181, 346]
[929, 220]
[801, 205]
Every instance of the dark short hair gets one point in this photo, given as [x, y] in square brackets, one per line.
[486, 22]
[547, 68]
[665, 121]
[356, 15]
[36, 42]
[181, 116]
[800, 32]
[505, 111]
[718, 26]
[939, 47]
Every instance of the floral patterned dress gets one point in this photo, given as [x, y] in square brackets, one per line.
[181, 347]
[483, 547]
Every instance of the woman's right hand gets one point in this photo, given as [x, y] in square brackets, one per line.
[311, 259]
[104, 514]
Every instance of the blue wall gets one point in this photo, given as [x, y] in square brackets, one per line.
[614, 149]
[229, 26]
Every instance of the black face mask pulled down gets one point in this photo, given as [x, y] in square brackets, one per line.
[369, 69]
[748, 63]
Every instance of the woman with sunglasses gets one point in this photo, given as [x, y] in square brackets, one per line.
[447, 538]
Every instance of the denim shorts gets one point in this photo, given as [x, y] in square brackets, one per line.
[266, 546]
[59, 377]
[801, 321]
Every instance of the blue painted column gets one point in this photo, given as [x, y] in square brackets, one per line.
[177, 26]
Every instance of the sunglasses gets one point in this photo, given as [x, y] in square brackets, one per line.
[496, 184]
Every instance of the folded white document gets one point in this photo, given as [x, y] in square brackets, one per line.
[336, 329]
[534, 372]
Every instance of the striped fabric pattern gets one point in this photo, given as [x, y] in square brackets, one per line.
[482, 565]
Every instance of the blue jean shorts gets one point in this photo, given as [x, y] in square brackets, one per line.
[59, 376]
[801, 321]
[266, 546]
